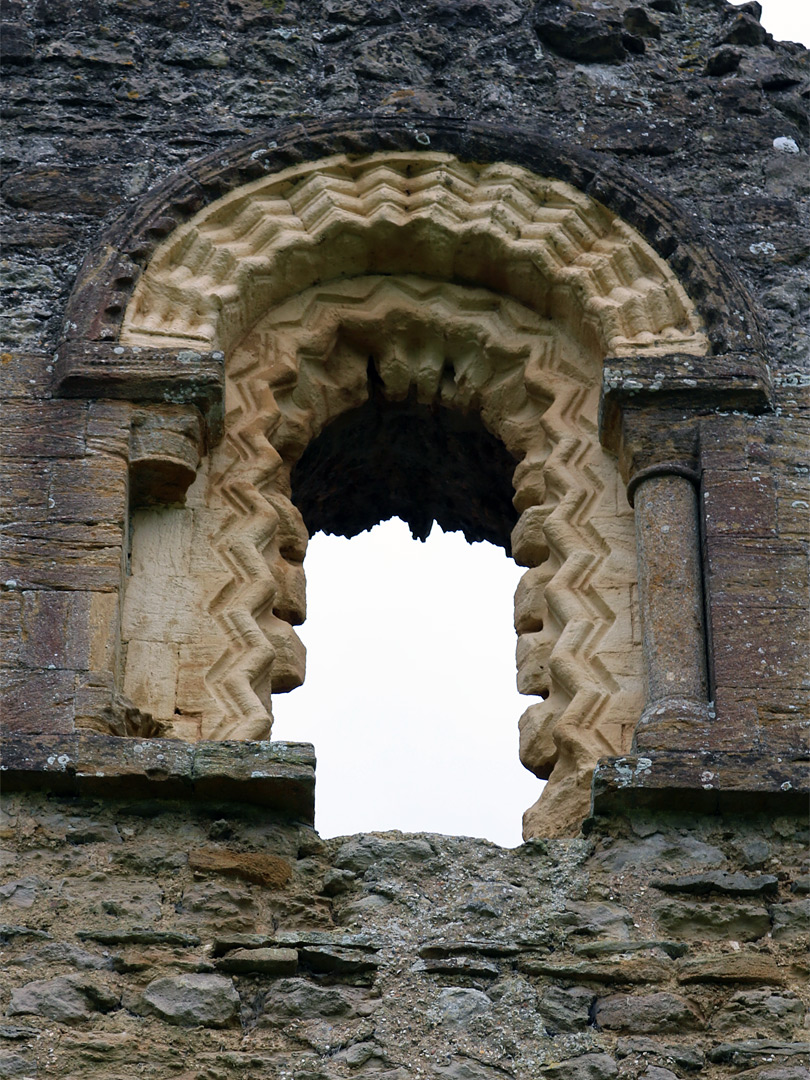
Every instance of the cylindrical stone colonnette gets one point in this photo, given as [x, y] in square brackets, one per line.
[677, 713]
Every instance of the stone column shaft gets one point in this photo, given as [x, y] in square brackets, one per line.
[677, 713]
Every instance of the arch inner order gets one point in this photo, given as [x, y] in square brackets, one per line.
[391, 292]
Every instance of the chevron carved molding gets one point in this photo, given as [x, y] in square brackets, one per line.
[483, 290]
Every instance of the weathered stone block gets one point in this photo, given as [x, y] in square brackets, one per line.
[262, 869]
[707, 921]
[460, 1005]
[361, 852]
[596, 920]
[70, 999]
[56, 629]
[791, 922]
[564, 1010]
[719, 881]
[191, 1000]
[302, 1000]
[93, 489]
[761, 1013]
[647, 1013]
[735, 967]
[49, 429]
[585, 1067]
[739, 504]
[260, 961]
[38, 702]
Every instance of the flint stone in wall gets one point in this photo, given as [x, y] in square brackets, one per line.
[596, 920]
[776, 1072]
[16, 44]
[564, 1011]
[689, 1058]
[647, 1013]
[12, 1064]
[20, 893]
[719, 881]
[260, 961]
[191, 1000]
[761, 1012]
[461, 1069]
[69, 999]
[579, 35]
[89, 189]
[61, 952]
[683, 854]
[460, 1004]
[751, 1052]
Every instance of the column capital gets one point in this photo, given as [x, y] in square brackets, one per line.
[650, 406]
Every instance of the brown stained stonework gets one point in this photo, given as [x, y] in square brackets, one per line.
[267, 870]
[679, 915]
[437, 951]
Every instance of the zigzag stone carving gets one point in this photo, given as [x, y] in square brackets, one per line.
[214, 626]
[498, 226]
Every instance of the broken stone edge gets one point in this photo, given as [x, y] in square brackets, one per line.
[276, 775]
[702, 782]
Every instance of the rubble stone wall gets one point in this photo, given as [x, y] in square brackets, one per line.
[207, 938]
[165, 939]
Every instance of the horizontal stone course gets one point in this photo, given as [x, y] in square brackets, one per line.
[276, 775]
[573, 994]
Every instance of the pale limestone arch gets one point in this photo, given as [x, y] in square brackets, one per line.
[516, 285]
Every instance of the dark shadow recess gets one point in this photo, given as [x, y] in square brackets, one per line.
[421, 463]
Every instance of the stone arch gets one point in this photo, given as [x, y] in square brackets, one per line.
[480, 288]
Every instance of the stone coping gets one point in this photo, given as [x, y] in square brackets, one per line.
[277, 775]
[703, 781]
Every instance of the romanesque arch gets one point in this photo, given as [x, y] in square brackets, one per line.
[481, 290]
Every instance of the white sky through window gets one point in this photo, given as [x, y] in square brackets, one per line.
[410, 693]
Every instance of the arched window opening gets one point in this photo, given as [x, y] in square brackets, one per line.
[487, 298]
[410, 693]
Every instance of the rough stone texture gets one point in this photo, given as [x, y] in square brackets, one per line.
[414, 956]
[630, 103]
[195, 1000]
[396, 972]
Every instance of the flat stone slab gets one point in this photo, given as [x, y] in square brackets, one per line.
[278, 775]
[703, 782]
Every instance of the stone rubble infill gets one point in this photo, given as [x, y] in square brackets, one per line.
[673, 949]
[484, 946]
[573, 977]
[457, 965]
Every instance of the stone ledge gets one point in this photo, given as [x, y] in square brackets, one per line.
[90, 369]
[277, 775]
[703, 782]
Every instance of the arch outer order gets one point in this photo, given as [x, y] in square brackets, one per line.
[552, 249]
